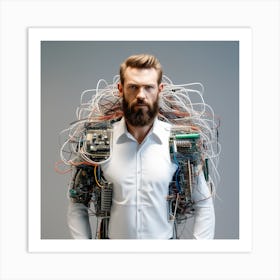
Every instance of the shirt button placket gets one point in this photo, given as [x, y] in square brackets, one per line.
[138, 197]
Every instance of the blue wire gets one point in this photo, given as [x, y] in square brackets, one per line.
[177, 173]
[98, 173]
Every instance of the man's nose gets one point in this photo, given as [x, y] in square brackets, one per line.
[141, 93]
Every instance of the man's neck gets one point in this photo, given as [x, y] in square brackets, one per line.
[139, 132]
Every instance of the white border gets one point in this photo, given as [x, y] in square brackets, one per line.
[36, 35]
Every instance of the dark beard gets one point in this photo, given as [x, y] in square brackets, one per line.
[139, 117]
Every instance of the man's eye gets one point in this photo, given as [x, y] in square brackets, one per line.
[133, 87]
[149, 88]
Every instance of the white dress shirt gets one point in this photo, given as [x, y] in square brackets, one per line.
[141, 174]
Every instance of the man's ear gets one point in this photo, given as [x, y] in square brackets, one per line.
[160, 87]
[120, 88]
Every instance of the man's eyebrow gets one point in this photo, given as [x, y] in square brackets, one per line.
[139, 84]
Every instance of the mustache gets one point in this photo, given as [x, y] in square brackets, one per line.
[139, 102]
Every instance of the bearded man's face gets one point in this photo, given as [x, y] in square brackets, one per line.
[140, 94]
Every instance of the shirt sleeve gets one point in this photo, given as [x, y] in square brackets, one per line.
[78, 221]
[204, 219]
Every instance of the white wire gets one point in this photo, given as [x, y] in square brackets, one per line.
[180, 105]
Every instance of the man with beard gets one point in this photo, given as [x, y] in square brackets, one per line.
[140, 167]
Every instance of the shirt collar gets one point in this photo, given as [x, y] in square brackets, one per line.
[158, 132]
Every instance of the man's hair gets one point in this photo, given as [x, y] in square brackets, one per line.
[141, 61]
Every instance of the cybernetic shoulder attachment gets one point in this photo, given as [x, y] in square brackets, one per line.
[186, 151]
[88, 184]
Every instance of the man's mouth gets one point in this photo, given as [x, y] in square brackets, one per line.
[140, 104]
[144, 107]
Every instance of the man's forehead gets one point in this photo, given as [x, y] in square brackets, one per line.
[137, 75]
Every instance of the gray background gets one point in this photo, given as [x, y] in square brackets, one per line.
[68, 68]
